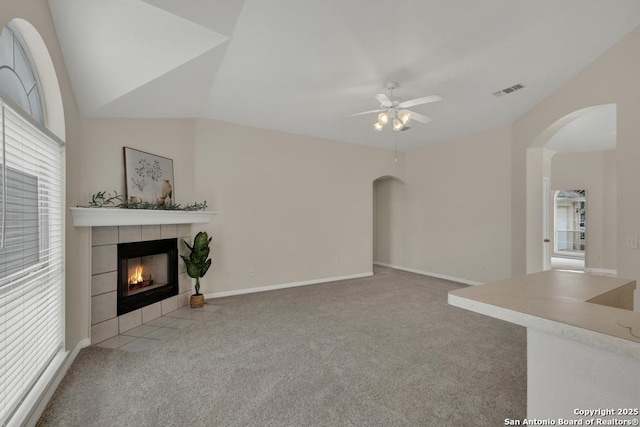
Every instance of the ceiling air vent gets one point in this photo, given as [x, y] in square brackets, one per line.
[509, 90]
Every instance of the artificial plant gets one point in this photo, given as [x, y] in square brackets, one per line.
[197, 262]
[103, 199]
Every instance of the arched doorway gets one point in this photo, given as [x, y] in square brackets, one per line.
[575, 152]
[386, 189]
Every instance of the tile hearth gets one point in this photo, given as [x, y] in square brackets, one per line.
[150, 333]
[105, 322]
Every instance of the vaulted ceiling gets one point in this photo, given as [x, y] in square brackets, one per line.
[304, 66]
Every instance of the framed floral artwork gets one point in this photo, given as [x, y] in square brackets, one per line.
[149, 177]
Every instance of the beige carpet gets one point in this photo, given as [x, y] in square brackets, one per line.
[381, 351]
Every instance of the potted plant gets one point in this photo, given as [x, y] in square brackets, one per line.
[198, 264]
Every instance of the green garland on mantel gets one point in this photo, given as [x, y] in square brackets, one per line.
[102, 199]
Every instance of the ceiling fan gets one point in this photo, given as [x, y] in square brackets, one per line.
[394, 111]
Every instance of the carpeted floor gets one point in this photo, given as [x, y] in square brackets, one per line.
[381, 351]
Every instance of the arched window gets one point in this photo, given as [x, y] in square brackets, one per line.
[18, 81]
[31, 223]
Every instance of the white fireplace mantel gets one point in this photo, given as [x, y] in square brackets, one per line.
[99, 217]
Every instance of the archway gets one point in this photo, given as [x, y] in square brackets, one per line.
[385, 189]
[544, 152]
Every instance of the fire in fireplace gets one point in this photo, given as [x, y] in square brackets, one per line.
[142, 271]
[137, 281]
[147, 273]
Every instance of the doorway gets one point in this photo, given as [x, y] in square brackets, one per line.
[569, 230]
[388, 194]
[577, 151]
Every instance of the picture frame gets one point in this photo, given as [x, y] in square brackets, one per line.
[148, 177]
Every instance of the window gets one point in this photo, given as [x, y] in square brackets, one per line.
[31, 235]
[22, 240]
[18, 81]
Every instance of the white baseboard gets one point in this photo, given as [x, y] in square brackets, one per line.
[49, 387]
[284, 285]
[603, 271]
[428, 273]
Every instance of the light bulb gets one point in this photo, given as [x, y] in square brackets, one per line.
[405, 117]
[383, 118]
[377, 126]
[397, 125]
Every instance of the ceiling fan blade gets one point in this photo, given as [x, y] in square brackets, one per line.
[384, 100]
[418, 117]
[419, 101]
[364, 112]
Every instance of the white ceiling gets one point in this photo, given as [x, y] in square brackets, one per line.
[303, 66]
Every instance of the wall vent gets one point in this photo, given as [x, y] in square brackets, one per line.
[509, 90]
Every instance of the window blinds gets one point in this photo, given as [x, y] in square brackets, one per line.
[31, 256]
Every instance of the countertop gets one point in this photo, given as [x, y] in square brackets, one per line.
[595, 310]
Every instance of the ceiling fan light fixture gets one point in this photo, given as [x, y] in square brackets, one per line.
[383, 118]
[393, 111]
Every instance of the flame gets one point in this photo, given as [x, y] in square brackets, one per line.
[137, 276]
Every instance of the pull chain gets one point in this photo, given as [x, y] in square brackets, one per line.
[395, 139]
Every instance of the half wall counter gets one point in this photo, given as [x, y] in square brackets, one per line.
[583, 339]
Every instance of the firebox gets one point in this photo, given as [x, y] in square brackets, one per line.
[147, 273]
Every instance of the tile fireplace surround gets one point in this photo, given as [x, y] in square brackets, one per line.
[105, 323]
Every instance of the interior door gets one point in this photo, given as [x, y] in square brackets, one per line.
[546, 251]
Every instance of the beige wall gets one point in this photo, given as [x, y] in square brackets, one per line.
[292, 208]
[590, 172]
[452, 217]
[102, 164]
[610, 214]
[612, 78]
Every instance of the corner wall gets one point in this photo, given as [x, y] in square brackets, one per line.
[452, 217]
[102, 163]
[292, 208]
[99, 166]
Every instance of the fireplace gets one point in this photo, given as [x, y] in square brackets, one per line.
[147, 273]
